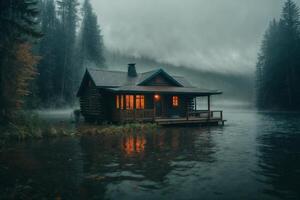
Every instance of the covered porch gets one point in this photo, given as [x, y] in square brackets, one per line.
[166, 109]
[184, 109]
[202, 117]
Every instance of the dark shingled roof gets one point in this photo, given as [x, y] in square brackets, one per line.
[119, 81]
[165, 89]
[105, 78]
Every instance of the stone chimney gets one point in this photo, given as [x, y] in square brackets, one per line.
[132, 70]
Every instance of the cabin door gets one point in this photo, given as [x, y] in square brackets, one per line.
[158, 106]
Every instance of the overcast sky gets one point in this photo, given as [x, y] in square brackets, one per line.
[222, 35]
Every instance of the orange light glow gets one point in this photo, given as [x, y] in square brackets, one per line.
[140, 102]
[129, 102]
[175, 101]
[156, 97]
[117, 102]
[134, 144]
[122, 102]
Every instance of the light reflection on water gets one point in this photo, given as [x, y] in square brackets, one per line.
[255, 156]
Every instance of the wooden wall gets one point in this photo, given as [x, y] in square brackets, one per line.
[169, 110]
[98, 105]
[93, 105]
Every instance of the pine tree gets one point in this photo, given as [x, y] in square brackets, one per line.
[47, 51]
[91, 42]
[277, 71]
[18, 27]
[67, 12]
[267, 65]
[290, 42]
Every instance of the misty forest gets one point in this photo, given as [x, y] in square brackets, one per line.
[278, 66]
[44, 48]
[157, 100]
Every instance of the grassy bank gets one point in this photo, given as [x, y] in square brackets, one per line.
[115, 129]
[28, 125]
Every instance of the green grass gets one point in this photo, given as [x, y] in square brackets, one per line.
[28, 125]
[115, 129]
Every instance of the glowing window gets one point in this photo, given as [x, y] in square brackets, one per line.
[129, 102]
[122, 102]
[117, 102]
[175, 101]
[140, 101]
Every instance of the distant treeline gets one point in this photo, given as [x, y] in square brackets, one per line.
[44, 48]
[278, 66]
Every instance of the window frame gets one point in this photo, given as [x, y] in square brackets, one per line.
[140, 102]
[129, 104]
[117, 102]
[175, 101]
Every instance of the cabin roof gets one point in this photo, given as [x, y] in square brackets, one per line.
[105, 78]
[165, 89]
[119, 81]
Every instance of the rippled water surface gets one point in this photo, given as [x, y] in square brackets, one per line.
[255, 156]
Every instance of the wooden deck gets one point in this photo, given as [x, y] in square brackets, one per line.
[201, 117]
[191, 120]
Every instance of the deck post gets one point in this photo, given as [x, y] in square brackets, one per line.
[187, 109]
[134, 107]
[208, 104]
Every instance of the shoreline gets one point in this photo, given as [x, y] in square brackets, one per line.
[46, 130]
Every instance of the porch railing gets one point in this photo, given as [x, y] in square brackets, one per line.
[149, 115]
[134, 115]
[216, 114]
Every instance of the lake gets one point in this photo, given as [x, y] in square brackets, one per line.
[256, 155]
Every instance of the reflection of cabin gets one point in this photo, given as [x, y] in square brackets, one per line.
[154, 96]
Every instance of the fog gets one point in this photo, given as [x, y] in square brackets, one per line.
[211, 35]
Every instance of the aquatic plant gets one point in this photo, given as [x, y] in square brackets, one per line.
[114, 129]
[29, 125]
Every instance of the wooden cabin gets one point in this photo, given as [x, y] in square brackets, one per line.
[154, 96]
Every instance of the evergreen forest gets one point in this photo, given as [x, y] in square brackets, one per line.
[45, 46]
[278, 65]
